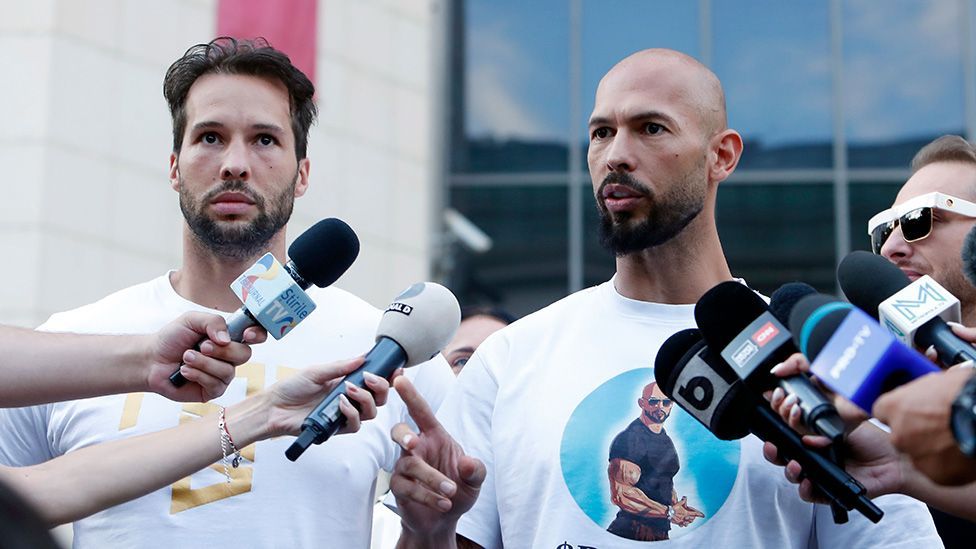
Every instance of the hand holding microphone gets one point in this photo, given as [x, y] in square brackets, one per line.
[414, 328]
[274, 296]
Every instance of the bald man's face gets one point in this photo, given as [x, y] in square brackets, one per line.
[654, 404]
[649, 136]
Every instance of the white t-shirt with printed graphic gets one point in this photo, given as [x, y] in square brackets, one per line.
[325, 499]
[542, 400]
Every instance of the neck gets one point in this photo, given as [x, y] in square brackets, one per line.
[654, 427]
[679, 271]
[205, 278]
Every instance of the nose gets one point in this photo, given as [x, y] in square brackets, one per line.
[620, 155]
[235, 163]
[895, 247]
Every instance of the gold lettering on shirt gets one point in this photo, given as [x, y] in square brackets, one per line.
[185, 497]
[130, 410]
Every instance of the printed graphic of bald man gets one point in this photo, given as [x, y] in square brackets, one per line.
[643, 463]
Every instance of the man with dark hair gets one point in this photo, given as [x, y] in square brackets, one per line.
[477, 323]
[537, 403]
[241, 115]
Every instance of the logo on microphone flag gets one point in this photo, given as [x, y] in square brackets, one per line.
[272, 296]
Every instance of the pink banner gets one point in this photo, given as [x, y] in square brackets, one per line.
[288, 25]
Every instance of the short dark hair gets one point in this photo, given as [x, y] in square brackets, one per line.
[948, 148]
[226, 55]
[494, 312]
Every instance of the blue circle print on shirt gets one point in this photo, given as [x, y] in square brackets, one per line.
[707, 466]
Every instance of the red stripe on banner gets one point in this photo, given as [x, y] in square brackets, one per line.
[288, 25]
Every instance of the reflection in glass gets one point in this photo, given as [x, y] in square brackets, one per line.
[773, 59]
[902, 78]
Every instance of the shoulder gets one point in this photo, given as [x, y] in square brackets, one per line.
[102, 315]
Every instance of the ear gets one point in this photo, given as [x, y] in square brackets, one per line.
[301, 184]
[724, 154]
[174, 172]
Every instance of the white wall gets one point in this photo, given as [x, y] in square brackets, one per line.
[85, 142]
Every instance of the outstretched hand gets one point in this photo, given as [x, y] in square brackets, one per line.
[434, 481]
[210, 370]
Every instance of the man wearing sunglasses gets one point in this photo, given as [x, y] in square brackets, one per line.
[643, 462]
[923, 232]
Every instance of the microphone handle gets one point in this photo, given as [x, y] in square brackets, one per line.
[950, 348]
[236, 324]
[818, 413]
[326, 419]
[826, 475]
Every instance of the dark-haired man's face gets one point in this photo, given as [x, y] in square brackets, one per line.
[236, 172]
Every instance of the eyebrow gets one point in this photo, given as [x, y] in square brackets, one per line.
[639, 117]
[213, 124]
[461, 350]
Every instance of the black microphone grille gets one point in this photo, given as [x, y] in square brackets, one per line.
[725, 310]
[868, 279]
[969, 256]
[324, 251]
[785, 298]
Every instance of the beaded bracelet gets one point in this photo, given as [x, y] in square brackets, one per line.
[227, 442]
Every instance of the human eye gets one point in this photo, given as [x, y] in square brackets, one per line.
[266, 140]
[210, 138]
[653, 128]
[602, 132]
[460, 361]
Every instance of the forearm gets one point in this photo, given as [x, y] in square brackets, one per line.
[955, 500]
[97, 477]
[411, 540]
[39, 367]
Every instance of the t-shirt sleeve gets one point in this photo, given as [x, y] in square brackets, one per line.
[23, 436]
[906, 523]
[467, 415]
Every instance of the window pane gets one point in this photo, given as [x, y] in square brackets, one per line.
[902, 78]
[775, 233]
[526, 266]
[868, 199]
[773, 59]
[515, 104]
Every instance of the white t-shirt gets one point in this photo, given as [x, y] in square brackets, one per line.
[542, 401]
[325, 499]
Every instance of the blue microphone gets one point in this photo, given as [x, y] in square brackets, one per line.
[850, 352]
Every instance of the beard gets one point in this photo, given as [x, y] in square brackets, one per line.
[657, 416]
[237, 240]
[669, 213]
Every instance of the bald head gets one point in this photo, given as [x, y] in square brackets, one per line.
[689, 81]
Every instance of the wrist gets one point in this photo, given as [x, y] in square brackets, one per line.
[248, 420]
[444, 536]
[137, 361]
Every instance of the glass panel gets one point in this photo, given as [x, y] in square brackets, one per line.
[526, 266]
[902, 78]
[515, 71]
[775, 233]
[773, 59]
[868, 199]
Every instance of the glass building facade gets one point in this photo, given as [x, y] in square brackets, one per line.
[832, 98]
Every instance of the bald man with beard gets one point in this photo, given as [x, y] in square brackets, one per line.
[504, 461]
[643, 462]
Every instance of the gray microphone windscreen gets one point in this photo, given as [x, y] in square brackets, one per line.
[422, 320]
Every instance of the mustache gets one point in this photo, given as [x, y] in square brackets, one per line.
[233, 186]
[624, 179]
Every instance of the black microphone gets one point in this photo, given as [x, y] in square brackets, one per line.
[737, 323]
[414, 328]
[703, 384]
[969, 256]
[881, 289]
[319, 256]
